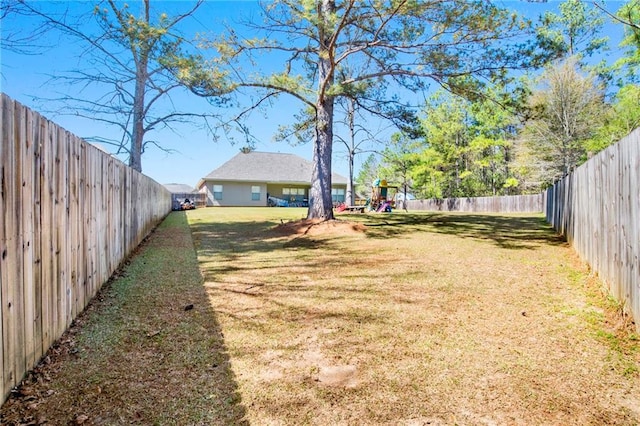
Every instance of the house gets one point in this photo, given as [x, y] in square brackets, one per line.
[248, 179]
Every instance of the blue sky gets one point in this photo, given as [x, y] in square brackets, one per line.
[27, 78]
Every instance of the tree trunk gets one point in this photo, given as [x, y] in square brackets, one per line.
[137, 138]
[320, 203]
[349, 199]
[141, 58]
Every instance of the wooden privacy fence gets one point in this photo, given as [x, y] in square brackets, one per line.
[70, 215]
[503, 204]
[597, 208]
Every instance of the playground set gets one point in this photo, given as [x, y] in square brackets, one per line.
[381, 199]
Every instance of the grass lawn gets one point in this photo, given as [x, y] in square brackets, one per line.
[385, 319]
[421, 319]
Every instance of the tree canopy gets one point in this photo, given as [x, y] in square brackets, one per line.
[553, 123]
[574, 31]
[350, 63]
[568, 109]
[457, 45]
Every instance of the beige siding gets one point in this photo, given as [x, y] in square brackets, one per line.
[236, 194]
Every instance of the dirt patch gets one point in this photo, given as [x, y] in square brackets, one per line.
[320, 227]
[339, 375]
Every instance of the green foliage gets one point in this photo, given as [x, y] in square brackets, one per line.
[467, 148]
[567, 112]
[139, 35]
[574, 31]
[629, 64]
[368, 173]
[621, 118]
[398, 159]
[199, 75]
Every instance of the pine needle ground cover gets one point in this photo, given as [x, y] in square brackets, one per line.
[389, 319]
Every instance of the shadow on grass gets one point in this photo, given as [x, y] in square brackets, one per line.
[512, 232]
[148, 350]
[246, 250]
[191, 338]
[230, 241]
[249, 253]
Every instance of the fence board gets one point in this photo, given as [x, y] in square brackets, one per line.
[71, 214]
[7, 256]
[12, 335]
[38, 138]
[74, 219]
[26, 208]
[504, 204]
[634, 231]
[60, 234]
[47, 217]
[597, 208]
[3, 248]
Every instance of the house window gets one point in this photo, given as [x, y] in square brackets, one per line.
[293, 192]
[255, 193]
[337, 195]
[217, 192]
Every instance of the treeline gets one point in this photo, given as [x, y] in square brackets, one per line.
[520, 138]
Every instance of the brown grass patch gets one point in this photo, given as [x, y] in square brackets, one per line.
[422, 319]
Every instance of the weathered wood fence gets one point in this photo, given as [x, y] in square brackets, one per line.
[597, 208]
[503, 204]
[70, 215]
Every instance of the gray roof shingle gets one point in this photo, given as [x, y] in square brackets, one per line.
[269, 167]
[179, 188]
